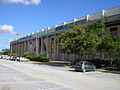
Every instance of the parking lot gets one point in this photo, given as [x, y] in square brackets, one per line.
[28, 76]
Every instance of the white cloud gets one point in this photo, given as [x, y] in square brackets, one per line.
[26, 2]
[7, 29]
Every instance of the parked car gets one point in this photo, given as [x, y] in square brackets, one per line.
[13, 58]
[22, 59]
[0, 56]
[4, 56]
[84, 66]
[8, 58]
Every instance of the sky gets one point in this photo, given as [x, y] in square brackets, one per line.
[27, 16]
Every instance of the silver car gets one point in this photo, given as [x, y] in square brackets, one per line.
[22, 59]
[84, 66]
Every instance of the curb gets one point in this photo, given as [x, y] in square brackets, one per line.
[109, 71]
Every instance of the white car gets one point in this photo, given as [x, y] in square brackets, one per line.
[0, 56]
[8, 57]
[4, 56]
[22, 59]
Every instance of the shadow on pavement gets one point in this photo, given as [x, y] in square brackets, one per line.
[110, 71]
[55, 63]
[73, 71]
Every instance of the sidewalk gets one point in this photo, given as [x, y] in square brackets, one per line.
[109, 71]
[53, 63]
[68, 64]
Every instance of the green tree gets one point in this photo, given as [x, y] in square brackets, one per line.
[6, 51]
[81, 40]
[110, 46]
[117, 44]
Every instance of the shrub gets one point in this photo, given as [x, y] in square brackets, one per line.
[116, 63]
[44, 59]
[31, 57]
[40, 59]
[100, 63]
[37, 58]
[42, 54]
[26, 54]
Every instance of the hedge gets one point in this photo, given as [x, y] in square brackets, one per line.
[101, 63]
[31, 57]
[44, 59]
[40, 59]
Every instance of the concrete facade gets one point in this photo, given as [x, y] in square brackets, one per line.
[45, 40]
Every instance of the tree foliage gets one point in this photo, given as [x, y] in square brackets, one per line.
[6, 51]
[110, 46]
[81, 40]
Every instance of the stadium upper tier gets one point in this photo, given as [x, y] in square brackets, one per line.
[108, 15]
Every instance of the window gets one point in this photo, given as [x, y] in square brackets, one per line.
[59, 28]
[114, 31]
[81, 22]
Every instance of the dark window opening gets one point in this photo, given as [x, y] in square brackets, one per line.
[114, 31]
[81, 22]
[59, 28]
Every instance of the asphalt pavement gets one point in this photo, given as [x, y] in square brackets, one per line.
[29, 76]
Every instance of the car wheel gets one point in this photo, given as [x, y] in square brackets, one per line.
[84, 70]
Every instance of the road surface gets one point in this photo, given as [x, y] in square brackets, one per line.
[28, 76]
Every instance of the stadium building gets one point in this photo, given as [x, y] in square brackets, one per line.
[45, 39]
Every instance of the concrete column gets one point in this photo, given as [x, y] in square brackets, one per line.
[34, 46]
[22, 48]
[11, 48]
[42, 47]
[55, 47]
[29, 47]
[37, 46]
[25, 46]
[18, 48]
[48, 45]
[57, 51]
[14, 48]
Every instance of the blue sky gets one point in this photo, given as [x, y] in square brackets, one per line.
[35, 15]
